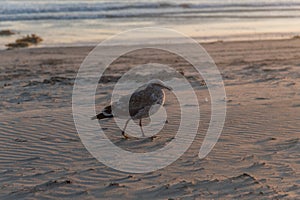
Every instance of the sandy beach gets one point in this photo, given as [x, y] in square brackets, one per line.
[256, 157]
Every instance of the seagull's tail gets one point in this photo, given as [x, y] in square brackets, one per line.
[106, 113]
[93, 118]
[102, 116]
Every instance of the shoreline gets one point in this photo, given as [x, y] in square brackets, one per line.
[91, 45]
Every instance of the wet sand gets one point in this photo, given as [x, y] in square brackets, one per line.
[257, 156]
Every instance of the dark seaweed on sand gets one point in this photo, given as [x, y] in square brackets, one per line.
[6, 33]
[25, 41]
[296, 37]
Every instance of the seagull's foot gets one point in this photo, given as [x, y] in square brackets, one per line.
[153, 137]
[125, 135]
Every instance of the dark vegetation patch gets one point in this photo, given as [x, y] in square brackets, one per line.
[26, 41]
[6, 33]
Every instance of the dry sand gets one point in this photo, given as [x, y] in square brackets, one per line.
[257, 156]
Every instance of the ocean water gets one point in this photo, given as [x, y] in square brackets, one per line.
[77, 22]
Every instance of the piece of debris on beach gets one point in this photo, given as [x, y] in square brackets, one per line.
[6, 33]
[296, 37]
[25, 41]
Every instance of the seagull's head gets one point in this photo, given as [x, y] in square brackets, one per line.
[159, 83]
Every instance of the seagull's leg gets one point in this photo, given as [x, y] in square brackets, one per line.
[141, 127]
[123, 131]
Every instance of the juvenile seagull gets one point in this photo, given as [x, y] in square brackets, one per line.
[145, 101]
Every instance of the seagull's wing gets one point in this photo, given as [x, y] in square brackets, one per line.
[141, 102]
